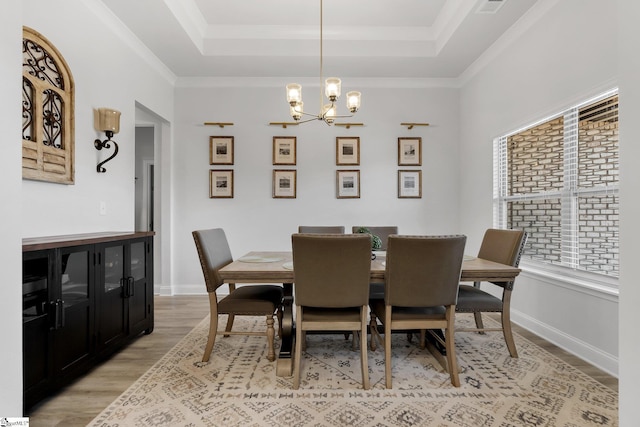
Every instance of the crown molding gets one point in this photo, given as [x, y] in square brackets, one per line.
[513, 34]
[269, 82]
[104, 14]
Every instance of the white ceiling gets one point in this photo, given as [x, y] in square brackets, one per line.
[281, 38]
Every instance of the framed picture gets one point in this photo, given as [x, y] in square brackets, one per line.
[220, 184]
[347, 150]
[220, 150]
[284, 150]
[348, 184]
[409, 184]
[410, 151]
[284, 184]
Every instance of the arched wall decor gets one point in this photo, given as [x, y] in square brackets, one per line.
[47, 112]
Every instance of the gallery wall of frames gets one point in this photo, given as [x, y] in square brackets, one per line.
[284, 160]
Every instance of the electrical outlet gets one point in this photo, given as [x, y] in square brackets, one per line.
[103, 208]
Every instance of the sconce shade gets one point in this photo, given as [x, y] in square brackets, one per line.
[329, 112]
[108, 120]
[353, 101]
[296, 110]
[294, 93]
[332, 88]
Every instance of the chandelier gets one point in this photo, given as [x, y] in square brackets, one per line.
[328, 112]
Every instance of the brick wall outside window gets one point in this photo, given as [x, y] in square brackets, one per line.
[561, 186]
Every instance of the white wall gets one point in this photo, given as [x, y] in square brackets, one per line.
[525, 82]
[629, 68]
[10, 225]
[107, 73]
[254, 220]
[567, 56]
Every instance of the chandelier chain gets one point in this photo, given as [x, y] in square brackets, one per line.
[327, 112]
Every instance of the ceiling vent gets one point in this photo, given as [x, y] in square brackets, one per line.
[490, 6]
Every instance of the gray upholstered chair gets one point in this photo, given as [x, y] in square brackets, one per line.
[505, 247]
[253, 300]
[322, 229]
[383, 232]
[422, 277]
[331, 279]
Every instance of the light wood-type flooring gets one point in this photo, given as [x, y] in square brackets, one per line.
[79, 403]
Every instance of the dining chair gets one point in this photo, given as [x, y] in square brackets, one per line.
[322, 229]
[383, 232]
[421, 287]
[505, 247]
[331, 279]
[253, 300]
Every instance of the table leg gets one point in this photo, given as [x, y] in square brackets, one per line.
[284, 362]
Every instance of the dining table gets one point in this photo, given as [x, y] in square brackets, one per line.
[277, 267]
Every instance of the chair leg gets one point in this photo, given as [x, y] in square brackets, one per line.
[364, 361]
[229, 324]
[508, 334]
[387, 346]
[452, 362]
[271, 335]
[478, 317]
[298, 350]
[506, 323]
[213, 327]
[354, 341]
[373, 329]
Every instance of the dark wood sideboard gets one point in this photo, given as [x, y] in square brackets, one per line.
[84, 296]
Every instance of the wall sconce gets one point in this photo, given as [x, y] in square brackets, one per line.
[108, 121]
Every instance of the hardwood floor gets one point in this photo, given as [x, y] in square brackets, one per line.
[82, 401]
[79, 403]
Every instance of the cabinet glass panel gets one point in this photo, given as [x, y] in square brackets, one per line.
[113, 267]
[137, 260]
[36, 321]
[34, 287]
[75, 277]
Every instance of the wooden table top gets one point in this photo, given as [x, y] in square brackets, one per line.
[239, 271]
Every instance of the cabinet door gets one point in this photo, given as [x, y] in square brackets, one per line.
[110, 284]
[74, 328]
[36, 324]
[140, 286]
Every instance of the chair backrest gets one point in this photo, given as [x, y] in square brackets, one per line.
[321, 229]
[503, 246]
[423, 271]
[331, 270]
[383, 232]
[214, 253]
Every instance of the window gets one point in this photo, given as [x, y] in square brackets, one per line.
[47, 112]
[558, 180]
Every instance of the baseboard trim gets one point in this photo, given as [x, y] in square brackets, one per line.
[598, 358]
[196, 289]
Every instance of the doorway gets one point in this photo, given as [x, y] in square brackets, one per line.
[144, 179]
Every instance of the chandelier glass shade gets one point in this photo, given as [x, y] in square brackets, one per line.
[332, 89]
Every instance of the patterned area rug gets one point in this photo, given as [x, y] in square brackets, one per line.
[238, 387]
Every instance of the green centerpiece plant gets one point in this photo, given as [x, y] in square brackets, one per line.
[376, 242]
